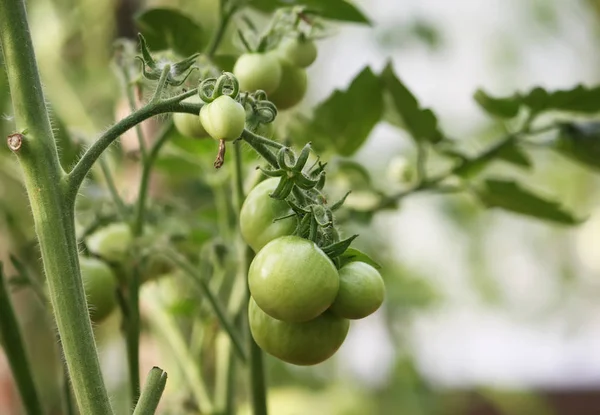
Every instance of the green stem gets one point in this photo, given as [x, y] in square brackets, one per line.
[153, 390]
[83, 166]
[112, 189]
[257, 372]
[190, 270]
[258, 144]
[15, 351]
[133, 107]
[225, 17]
[53, 211]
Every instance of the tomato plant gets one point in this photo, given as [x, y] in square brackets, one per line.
[299, 51]
[223, 119]
[292, 86]
[307, 343]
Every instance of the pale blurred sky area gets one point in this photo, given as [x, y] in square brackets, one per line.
[542, 334]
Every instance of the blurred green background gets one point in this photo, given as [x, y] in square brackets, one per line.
[487, 312]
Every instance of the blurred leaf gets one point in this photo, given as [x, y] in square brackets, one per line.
[354, 172]
[511, 196]
[421, 123]
[499, 107]
[330, 9]
[354, 255]
[225, 62]
[166, 28]
[515, 155]
[346, 118]
[580, 142]
[175, 165]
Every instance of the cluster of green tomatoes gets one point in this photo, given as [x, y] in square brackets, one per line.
[300, 302]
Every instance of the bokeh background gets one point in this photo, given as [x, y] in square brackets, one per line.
[487, 312]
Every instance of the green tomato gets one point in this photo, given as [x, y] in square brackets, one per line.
[100, 285]
[189, 125]
[304, 344]
[224, 118]
[258, 71]
[292, 279]
[258, 214]
[301, 52]
[111, 242]
[292, 88]
[361, 291]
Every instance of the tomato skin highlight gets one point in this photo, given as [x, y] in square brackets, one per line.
[189, 125]
[361, 292]
[258, 214]
[256, 71]
[303, 344]
[100, 285]
[292, 279]
[301, 53]
[292, 88]
[224, 118]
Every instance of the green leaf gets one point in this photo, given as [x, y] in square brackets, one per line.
[514, 154]
[330, 9]
[580, 142]
[354, 255]
[421, 123]
[346, 118]
[225, 62]
[499, 107]
[166, 28]
[508, 195]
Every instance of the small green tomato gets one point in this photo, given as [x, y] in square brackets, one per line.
[100, 285]
[361, 291]
[301, 52]
[111, 242]
[292, 88]
[256, 71]
[189, 125]
[224, 118]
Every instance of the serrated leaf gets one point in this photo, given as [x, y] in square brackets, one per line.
[499, 107]
[166, 28]
[508, 195]
[580, 142]
[421, 123]
[345, 119]
[330, 9]
[354, 255]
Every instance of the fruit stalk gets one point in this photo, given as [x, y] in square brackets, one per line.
[53, 212]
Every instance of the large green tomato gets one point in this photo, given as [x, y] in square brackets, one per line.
[361, 291]
[258, 71]
[307, 343]
[224, 118]
[258, 214]
[300, 52]
[100, 285]
[292, 88]
[292, 279]
[111, 242]
[189, 125]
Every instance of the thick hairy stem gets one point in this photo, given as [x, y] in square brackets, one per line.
[53, 213]
[15, 351]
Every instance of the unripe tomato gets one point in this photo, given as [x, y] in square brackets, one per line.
[100, 284]
[258, 71]
[224, 118]
[292, 87]
[307, 343]
[258, 214]
[111, 242]
[300, 52]
[189, 125]
[292, 279]
[361, 291]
